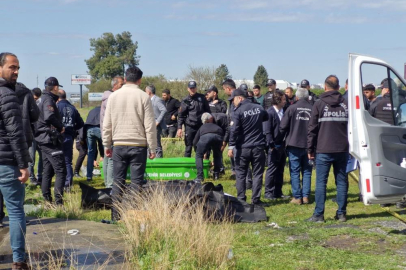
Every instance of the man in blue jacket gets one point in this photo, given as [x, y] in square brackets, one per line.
[247, 137]
[72, 121]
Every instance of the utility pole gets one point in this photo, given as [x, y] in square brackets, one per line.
[37, 81]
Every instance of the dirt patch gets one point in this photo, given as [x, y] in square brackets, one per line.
[342, 242]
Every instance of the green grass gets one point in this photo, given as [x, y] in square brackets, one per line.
[361, 243]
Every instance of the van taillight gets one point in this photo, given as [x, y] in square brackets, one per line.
[368, 185]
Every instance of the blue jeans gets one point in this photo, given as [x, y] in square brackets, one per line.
[323, 165]
[68, 154]
[14, 193]
[93, 137]
[299, 164]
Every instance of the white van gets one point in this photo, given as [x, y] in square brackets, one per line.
[379, 147]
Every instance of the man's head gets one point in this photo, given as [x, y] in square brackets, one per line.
[257, 90]
[238, 96]
[36, 92]
[305, 84]
[228, 86]
[62, 94]
[271, 84]
[9, 67]
[150, 90]
[192, 88]
[385, 86]
[117, 82]
[212, 93]
[52, 85]
[133, 75]
[166, 94]
[207, 118]
[331, 83]
[289, 92]
[302, 93]
[369, 91]
[279, 98]
[244, 87]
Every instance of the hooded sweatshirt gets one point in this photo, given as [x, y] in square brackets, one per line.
[327, 131]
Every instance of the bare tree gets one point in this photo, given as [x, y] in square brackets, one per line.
[204, 76]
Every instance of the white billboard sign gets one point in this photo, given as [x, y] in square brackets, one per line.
[81, 79]
[95, 96]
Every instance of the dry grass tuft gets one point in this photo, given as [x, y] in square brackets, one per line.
[167, 232]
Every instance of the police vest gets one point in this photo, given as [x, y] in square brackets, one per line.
[384, 112]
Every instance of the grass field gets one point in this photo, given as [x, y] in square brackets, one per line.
[371, 239]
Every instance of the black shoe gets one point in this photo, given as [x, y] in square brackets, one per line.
[317, 219]
[401, 205]
[269, 198]
[67, 189]
[27, 222]
[34, 182]
[340, 217]
[222, 171]
[258, 202]
[360, 198]
[334, 200]
[233, 177]
[89, 179]
[216, 176]
[77, 175]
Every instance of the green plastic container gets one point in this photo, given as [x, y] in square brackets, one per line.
[171, 169]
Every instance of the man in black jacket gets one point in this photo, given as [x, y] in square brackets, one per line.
[276, 150]
[93, 133]
[14, 157]
[36, 93]
[72, 121]
[172, 107]
[190, 113]
[48, 134]
[312, 96]
[267, 101]
[208, 137]
[247, 137]
[327, 141]
[216, 105]
[295, 122]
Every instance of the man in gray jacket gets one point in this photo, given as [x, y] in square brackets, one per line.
[116, 83]
[159, 112]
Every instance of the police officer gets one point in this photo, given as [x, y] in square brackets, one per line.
[72, 121]
[312, 96]
[381, 108]
[247, 137]
[294, 123]
[48, 134]
[190, 112]
[267, 103]
[216, 105]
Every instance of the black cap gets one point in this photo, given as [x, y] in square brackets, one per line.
[270, 82]
[369, 86]
[244, 87]
[212, 88]
[238, 92]
[304, 83]
[52, 81]
[191, 84]
[385, 84]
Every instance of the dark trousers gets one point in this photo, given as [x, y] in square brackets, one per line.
[159, 151]
[190, 133]
[35, 148]
[54, 163]
[68, 154]
[274, 173]
[171, 131]
[124, 157]
[207, 142]
[243, 158]
[82, 154]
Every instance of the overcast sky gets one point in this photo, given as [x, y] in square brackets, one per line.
[292, 39]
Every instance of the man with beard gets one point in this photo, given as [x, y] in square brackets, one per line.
[216, 105]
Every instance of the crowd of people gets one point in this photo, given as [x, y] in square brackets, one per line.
[260, 130]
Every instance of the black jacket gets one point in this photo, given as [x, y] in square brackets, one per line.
[382, 109]
[206, 129]
[71, 118]
[295, 123]
[222, 120]
[191, 110]
[93, 118]
[49, 118]
[29, 111]
[172, 106]
[312, 97]
[246, 125]
[272, 129]
[13, 147]
[219, 107]
[328, 126]
[289, 101]
[267, 103]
